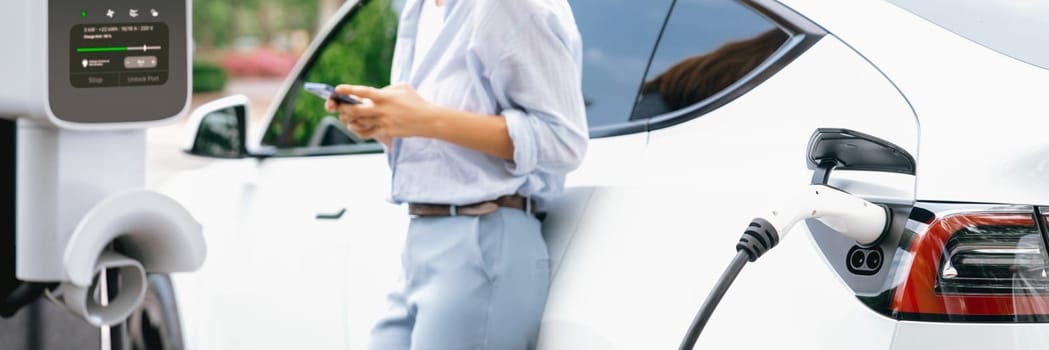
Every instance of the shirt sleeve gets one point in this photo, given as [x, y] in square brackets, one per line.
[537, 80]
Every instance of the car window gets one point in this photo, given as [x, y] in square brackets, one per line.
[707, 46]
[359, 50]
[618, 38]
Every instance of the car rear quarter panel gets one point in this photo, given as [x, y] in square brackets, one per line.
[982, 115]
[646, 252]
[982, 125]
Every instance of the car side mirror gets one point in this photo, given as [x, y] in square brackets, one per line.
[218, 128]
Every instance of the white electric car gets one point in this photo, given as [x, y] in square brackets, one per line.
[703, 113]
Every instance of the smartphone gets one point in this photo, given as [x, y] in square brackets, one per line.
[326, 92]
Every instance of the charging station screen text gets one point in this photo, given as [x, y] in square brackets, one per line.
[119, 54]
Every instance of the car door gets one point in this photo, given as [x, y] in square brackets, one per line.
[732, 94]
[304, 238]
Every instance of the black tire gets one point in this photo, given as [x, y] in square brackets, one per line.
[156, 325]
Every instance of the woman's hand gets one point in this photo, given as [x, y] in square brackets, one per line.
[398, 111]
[394, 111]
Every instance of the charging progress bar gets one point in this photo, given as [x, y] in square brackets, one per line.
[142, 48]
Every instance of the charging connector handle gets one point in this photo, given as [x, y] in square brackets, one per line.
[851, 216]
[760, 237]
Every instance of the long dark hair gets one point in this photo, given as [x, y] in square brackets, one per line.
[699, 77]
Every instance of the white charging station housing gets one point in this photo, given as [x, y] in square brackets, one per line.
[96, 65]
[82, 81]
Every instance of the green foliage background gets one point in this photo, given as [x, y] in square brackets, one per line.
[217, 23]
[359, 51]
[208, 77]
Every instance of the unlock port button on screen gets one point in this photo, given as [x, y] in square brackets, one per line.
[140, 62]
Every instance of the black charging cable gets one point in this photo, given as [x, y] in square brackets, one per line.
[759, 237]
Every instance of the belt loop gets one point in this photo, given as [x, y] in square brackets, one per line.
[528, 205]
[452, 211]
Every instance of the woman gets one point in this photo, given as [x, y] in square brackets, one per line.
[483, 121]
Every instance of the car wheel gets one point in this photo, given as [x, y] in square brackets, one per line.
[155, 325]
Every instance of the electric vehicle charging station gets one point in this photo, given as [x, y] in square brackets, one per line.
[82, 82]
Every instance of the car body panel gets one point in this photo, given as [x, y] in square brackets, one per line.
[932, 335]
[610, 161]
[645, 254]
[218, 196]
[982, 114]
[649, 220]
[331, 263]
[982, 132]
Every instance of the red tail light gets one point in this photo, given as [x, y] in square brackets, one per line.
[980, 266]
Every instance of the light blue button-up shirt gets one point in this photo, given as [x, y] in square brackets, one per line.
[520, 59]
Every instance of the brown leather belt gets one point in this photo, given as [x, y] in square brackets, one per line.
[476, 209]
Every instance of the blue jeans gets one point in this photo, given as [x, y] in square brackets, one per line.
[469, 283]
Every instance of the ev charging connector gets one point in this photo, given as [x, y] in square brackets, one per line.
[82, 81]
[853, 217]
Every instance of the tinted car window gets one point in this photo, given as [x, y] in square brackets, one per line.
[618, 38]
[707, 46]
[358, 51]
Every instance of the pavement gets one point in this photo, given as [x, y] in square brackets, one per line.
[164, 155]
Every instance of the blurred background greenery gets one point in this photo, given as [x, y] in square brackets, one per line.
[252, 38]
[251, 46]
[208, 77]
[359, 51]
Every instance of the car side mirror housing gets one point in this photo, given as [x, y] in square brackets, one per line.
[219, 129]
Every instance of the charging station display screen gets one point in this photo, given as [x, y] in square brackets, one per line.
[118, 63]
[108, 55]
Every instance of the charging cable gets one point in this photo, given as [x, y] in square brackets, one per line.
[851, 216]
